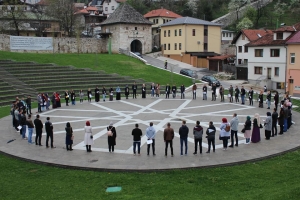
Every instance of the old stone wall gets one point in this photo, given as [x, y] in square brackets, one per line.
[230, 18]
[64, 45]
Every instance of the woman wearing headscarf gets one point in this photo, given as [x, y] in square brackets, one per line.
[247, 127]
[118, 91]
[111, 138]
[224, 133]
[69, 138]
[256, 129]
[268, 126]
[88, 136]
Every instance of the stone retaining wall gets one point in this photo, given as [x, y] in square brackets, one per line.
[64, 45]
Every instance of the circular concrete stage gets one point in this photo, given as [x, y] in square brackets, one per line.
[125, 114]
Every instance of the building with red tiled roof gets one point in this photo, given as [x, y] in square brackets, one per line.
[159, 17]
[293, 65]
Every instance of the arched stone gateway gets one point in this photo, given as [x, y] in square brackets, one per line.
[136, 46]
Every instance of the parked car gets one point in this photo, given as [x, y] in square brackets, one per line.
[189, 72]
[211, 80]
[138, 54]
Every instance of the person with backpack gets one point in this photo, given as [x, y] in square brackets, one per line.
[111, 137]
[210, 132]
[225, 132]
[198, 132]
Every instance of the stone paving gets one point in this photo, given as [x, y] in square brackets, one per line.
[125, 114]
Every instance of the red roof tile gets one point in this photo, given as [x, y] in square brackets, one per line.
[295, 39]
[268, 40]
[254, 34]
[82, 11]
[161, 13]
[91, 8]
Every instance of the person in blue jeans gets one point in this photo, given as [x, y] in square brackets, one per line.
[30, 127]
[150, 134]
[137, 133]
[22, 120]
[183, 132]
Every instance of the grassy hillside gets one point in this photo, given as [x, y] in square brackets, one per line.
[115, 63]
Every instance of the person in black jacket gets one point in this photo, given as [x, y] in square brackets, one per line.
[126, 91]
[38, 130]
[210, 132]
[67, 97]
[274, 122]
[168, 88]
[243, 93]
[49, 133]
[250, 94]
[198, 132]
[204, 90]
[137, 133]
[174, 90]
[182, 90]
[69, 134]
[28, 103]
[97, 94]
[183, 132]
[134, 88]
[214, 88]
[281, 121]
[236, 94]
[276, 99]
[111, 139]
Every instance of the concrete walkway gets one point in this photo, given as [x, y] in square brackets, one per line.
[125, 114]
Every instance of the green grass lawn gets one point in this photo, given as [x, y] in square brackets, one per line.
[115, 63]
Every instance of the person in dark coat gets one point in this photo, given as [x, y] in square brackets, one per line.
[103, 93]
[174, 90]
[276, 99]
[250, 94]
[134, 88]
[183, 132]
[236, 94]
[53, 100]
[118, 93]
[73, 97]
[111, 94]
[97, 94]
[69, 137]
[111, 139]
[168, 138]
[89, 95]
[38, 130]
[255, 137]
[49, 133]
[211, 132]
[204, 91]
[281, 120]
[269, 99]
[214, 93]
[67, 97]
[168, 88]
[261, 99]
[230, 91]
[126, 91]
[143, 91]
[243, 93]
[274, 122]
[137, 133]
[182, 90]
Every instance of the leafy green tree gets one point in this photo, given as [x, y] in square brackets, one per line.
[245, 23]
[235, 6]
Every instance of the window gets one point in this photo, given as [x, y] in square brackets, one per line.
[245, 49]
[165, 33]
[194, 32]
[106, 8]
[240, 49]
[258, 52]
[175, 46]
[175, 32]
[164, 21]
[135, 28]
[279, 85]
[239, 61]
[169, 46]
[179, 46]
[157, 21]
[205, 46]
[229, 34]
[293, 58]
[257, 70]
[276, 71]
[112, 7]
[279, 36]
[169, 33]
[223, 34]
[205, 32]
[245, 61]
[179, 32]
[226, 34]
[154, 21]
[275, 52]
[165, 47]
